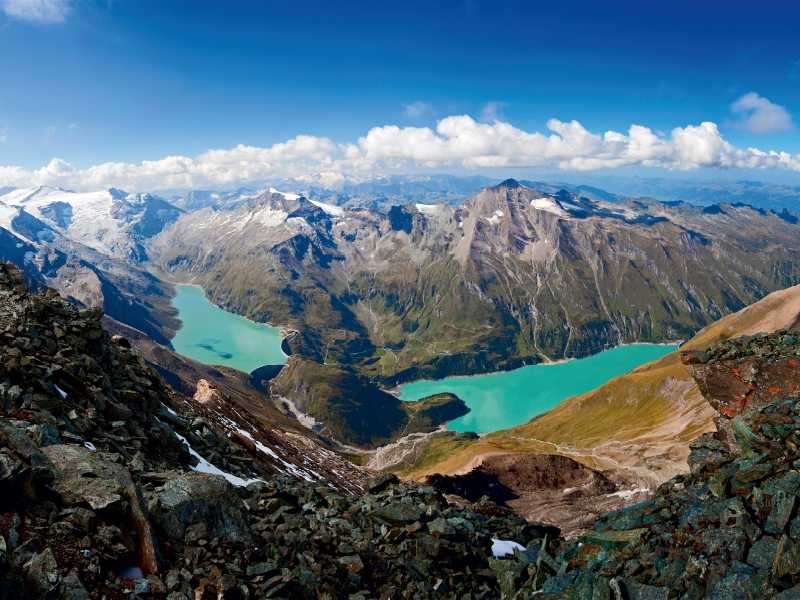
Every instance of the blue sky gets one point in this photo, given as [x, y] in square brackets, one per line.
[126, 81]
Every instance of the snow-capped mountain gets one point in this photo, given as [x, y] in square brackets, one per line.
[90, 246]
[197, 199]
[111, 221]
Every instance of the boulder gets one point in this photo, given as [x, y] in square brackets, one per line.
[90, 478]
[196, 498]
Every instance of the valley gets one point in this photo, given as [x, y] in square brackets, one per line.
[507, 278]
[511, 281]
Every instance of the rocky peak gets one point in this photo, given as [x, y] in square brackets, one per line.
[275, 201]
[507, 184]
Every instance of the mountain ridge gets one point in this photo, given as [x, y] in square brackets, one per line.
[355, 281]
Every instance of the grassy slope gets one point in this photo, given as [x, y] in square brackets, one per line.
[644, 419]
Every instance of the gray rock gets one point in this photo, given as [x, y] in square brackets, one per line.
[199, 497]
[762, 554]
[41, 574]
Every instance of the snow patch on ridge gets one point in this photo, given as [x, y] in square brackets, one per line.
[286, 195]
[329, 209]
[427, 209]
[206, 467]
[501, 548]
[269, 452]
[629, 493]
[495, 218]
[548, 205]
[270, 218]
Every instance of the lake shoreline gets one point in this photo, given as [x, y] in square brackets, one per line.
[214, 336]
[504, 399]
[396, 391]
[284, 331]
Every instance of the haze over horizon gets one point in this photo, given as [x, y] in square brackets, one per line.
[168, 95]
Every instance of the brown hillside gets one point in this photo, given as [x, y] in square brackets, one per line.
[642, 421]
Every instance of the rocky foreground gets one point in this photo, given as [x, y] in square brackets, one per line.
[115, 486]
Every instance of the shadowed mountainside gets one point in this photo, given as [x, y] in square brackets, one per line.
[354, 411]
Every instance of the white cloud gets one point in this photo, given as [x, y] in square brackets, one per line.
[491, 112]
[50, 131]
[41, 12]
[457, 142]
[418, 109]
[760, 116]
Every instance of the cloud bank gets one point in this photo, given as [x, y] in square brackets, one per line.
[457, 142]
[760, 116]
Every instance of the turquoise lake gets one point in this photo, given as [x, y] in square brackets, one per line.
[216, 337]
[503, 400]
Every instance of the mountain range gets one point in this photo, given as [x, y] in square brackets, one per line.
[509, 277]
[120, 433]
[369, 299]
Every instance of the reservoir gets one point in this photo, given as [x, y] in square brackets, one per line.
[503, 400]
[216, 337]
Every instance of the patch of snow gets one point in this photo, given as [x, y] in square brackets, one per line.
[284, 194]
[90, 446]
[239, 225]
[628, 493]
[169, 410]
[501, 548]
[60, 391]
[206, 467]
[495, 218]
[329, 209]
[427, 209]
[8, 214]
[269, 452]
[568, 490]
[45, 235]
[572, 206]
[548, 205]
[270, 218]
[296, 222]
